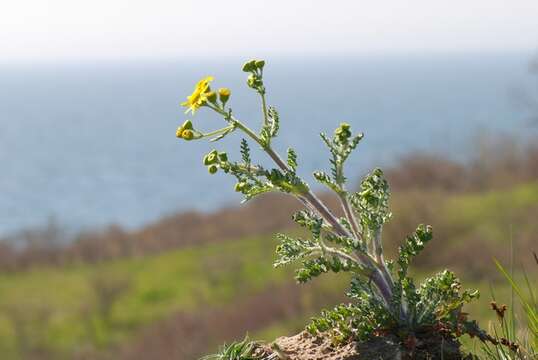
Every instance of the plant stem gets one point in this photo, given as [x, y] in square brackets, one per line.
[351, 217]
[383, 285]
[378, 246]
[217, 132]
[264, 108]
[309, 199]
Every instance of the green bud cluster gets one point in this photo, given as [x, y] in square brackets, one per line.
[187, 132]
[213, 160]
[242, 187]
[255, 78]
[342, 133]
[253, 65]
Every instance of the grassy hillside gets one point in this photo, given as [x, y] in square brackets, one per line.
[62, 309]
[106, 308]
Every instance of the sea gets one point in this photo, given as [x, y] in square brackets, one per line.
[90, 144]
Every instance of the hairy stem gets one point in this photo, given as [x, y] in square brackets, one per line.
[307, 197]
[351, 217]
[264, 108]
[383, 285]
[378, 253]
[218, 132]
[377, 246]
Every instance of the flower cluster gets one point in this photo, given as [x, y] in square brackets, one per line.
[254, 80]
[204, 96]
[199, 96]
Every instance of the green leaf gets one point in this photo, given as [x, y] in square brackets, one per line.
[242, 350]
[412, 246]
[270, 127]
[292, 159]
[245, 152]
[255, 190]
[326, 180]
[371, 203]
[310, 221]
[274, 120]
[291, 249]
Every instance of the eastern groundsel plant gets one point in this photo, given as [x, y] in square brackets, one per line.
[384, 298]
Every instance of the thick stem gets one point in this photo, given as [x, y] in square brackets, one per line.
[378, 252]
[382, 284]
[378, 246]
[350, 217]
[379, 277]
[326, 213]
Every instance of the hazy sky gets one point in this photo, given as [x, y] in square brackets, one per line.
[35, 30]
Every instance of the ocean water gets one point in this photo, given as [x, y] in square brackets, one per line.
[94, 144]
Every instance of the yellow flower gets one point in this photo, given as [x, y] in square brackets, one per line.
[224, 95]
[198, 96]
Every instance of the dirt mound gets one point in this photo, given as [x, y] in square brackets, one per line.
[304, 346]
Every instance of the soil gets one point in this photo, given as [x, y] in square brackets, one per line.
[304, 346]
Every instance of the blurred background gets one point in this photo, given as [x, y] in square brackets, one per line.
[117, 244]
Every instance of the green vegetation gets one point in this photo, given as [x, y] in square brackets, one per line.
[62, 315]
[385, 302]
[513, 340]
[138, 291]
[240, 350]
[120, 294]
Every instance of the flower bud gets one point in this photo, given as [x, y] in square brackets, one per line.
[223, 157]
[211, 97]
[249, 66]
[212, 169]
[239, 186]
[260, 64]
[179, 131]
[210, 158]
[251, 81]
[187, 134]
[343, 132]
[224, 95]
[187, 125]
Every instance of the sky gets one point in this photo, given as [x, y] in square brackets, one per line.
[53, 30]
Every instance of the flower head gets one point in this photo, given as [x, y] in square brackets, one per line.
[199, 95]
[187, 132]
[224, 95]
